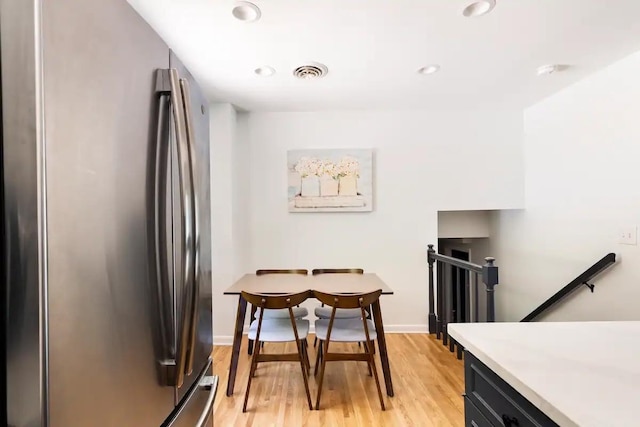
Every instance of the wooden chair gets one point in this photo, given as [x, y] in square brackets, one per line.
[316, 271]
[279, 330]
[298, 312]
[323, 312]
[346, 330]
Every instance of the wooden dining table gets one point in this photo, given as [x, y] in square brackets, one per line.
[291, 283]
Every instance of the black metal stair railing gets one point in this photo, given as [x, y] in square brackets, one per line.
[463, 285]
[583, 279]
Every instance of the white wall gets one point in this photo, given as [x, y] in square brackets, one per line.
[582, 148]
[240, 198]
[423, 162]
[464, 224]
[229, 197]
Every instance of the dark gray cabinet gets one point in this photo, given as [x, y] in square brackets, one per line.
[473, 417]
[490, 401]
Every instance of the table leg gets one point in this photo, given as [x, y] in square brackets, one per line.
[382, 347]
[237, 340]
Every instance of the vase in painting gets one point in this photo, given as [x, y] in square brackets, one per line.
[328, 186]
[348, 186]
[310, 186]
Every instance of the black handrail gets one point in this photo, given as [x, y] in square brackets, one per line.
[583, 279]
[456, 262]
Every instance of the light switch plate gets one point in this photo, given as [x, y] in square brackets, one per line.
[628, 235]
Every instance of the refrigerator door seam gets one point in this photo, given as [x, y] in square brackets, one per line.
[187, 221]
[168, 81]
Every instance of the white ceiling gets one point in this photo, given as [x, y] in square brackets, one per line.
[374, 47]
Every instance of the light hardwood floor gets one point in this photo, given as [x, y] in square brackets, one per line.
[428, 382]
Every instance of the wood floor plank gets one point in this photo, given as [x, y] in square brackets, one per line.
[428, 384]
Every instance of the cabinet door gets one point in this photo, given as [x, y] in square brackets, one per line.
[500, 403]
[473, 417]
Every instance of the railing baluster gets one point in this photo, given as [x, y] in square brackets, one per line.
[467, 299]
[446, 315]
[432, 315]
[440, 287]
[476, 295]
[459, 293]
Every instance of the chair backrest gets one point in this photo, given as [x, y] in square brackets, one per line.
[348, 300]
[295, 271]
[277, 301]
[317, 271]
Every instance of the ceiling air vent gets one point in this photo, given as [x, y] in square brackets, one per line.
[309, 71]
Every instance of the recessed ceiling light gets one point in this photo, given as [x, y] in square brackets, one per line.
[245, 11]
[429, 69]
[265, 71]
[479, 8]
[550, 69]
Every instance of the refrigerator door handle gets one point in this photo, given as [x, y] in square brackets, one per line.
[193, 321]
[165, 304]
[187, 232]
[204, 382]
[210, 383]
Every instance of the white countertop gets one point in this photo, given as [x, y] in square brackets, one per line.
[578, 373]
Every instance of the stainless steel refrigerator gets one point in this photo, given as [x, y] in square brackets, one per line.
[106, 235]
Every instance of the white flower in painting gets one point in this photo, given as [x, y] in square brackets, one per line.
[349, 166]
[311, 166]
[308, 166]
[302, 166]
[328, 168]
[314, 167]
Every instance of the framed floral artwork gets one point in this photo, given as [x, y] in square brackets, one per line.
[333, 180]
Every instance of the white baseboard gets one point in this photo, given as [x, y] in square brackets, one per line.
[390, 329]
[222, 339]
[406, 329]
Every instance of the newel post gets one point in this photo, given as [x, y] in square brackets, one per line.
[490, 279]
[432, 314]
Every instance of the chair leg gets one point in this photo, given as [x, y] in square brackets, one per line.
[255, 371]
[302, 357]
[375, 376]
[324, 362]
[250, 347]
[304, 373]
[305, 353]
[366, 350]
[252, 372]
[318, 358]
